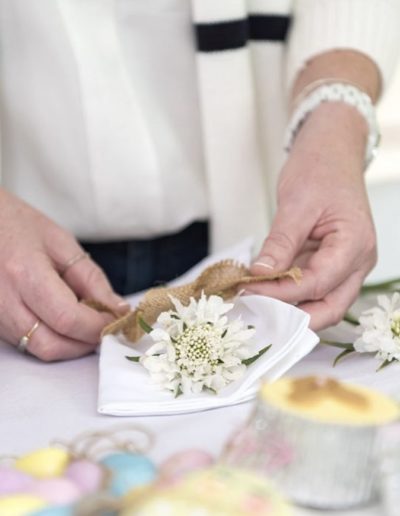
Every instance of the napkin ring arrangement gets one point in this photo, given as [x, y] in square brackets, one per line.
[223, 279]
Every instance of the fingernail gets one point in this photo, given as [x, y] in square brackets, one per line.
[123, 304]
[266, 261]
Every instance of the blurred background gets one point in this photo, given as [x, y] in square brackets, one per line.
[383, 180]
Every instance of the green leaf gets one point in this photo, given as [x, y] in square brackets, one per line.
[175, 316]
[210, 389]
[143, 324]
[224, 333]
[249, 361]
[137, 358]
[385, 364]
[250, 327]
[179, 391]
[341, 355]
[340, 345]
[133, 359]
[348, 317]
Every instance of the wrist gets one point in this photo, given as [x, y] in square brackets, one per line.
[334, 132]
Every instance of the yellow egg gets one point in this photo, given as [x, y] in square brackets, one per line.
[20, 505]
[43, 463]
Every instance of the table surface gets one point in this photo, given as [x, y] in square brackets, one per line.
[40, 403]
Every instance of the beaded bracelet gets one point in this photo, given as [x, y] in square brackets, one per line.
[336, 92]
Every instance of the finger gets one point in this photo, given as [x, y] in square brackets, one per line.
[306, 252]
[331, 310]
[50, 346]
[88, 281]
[286, 238]
[85, 277]
[44, 343]
[334, 261]
[53, 302]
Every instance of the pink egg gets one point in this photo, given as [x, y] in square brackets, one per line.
[88, 475]
[182, 463]
[13, 481]
[56, 490]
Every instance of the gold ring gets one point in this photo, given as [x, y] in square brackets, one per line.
[24, 341]
[72, 261]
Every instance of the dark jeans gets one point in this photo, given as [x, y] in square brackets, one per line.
[133, 265]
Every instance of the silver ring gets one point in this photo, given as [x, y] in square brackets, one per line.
[24, 341]
[72, 261]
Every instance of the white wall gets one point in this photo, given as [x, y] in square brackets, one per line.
[386, 166]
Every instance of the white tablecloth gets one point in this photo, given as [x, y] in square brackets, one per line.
[42, 402]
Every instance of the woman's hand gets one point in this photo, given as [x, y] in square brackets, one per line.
[35, 286]
[323, 221]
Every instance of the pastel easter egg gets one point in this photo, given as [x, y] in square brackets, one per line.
[182, 463]
[118, 461]
[20, 504]
[58, 491]
[129, 471]
[88, 475]
[13, 481]
[43, 463]
[65, 510]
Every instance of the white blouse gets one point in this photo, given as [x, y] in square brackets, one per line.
[112, 126]
[99, 114]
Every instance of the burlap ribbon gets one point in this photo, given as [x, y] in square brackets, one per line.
[222, 279]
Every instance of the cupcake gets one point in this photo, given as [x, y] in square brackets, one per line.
[316, 438]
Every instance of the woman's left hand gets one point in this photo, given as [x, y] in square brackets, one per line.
[323, 221]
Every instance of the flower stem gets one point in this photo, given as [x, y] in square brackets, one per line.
[390, 286]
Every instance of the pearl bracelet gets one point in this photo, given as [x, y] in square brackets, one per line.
[336, 92]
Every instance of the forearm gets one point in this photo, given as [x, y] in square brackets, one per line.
[343, 65]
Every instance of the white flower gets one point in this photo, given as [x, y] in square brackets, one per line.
[380, 327]
[196, 347]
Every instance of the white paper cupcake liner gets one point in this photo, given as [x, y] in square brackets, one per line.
[315, 464]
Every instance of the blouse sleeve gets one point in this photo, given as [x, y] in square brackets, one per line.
[368, 26]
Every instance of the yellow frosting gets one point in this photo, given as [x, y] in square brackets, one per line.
[330, 401]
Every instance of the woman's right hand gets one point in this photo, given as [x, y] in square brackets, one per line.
[36, 286]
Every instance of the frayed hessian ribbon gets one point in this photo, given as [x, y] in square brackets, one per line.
[223, 279]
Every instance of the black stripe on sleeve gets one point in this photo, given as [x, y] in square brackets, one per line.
[268, 27]
[227, 35]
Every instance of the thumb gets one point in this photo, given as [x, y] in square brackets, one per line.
[288, 234]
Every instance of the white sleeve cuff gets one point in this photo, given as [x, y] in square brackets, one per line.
[367, 26]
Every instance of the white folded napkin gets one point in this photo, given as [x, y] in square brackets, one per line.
[126, 389]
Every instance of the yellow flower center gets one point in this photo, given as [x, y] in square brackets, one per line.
[197, 345]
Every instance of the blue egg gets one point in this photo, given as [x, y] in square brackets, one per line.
[129, 471]
[66, 510]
